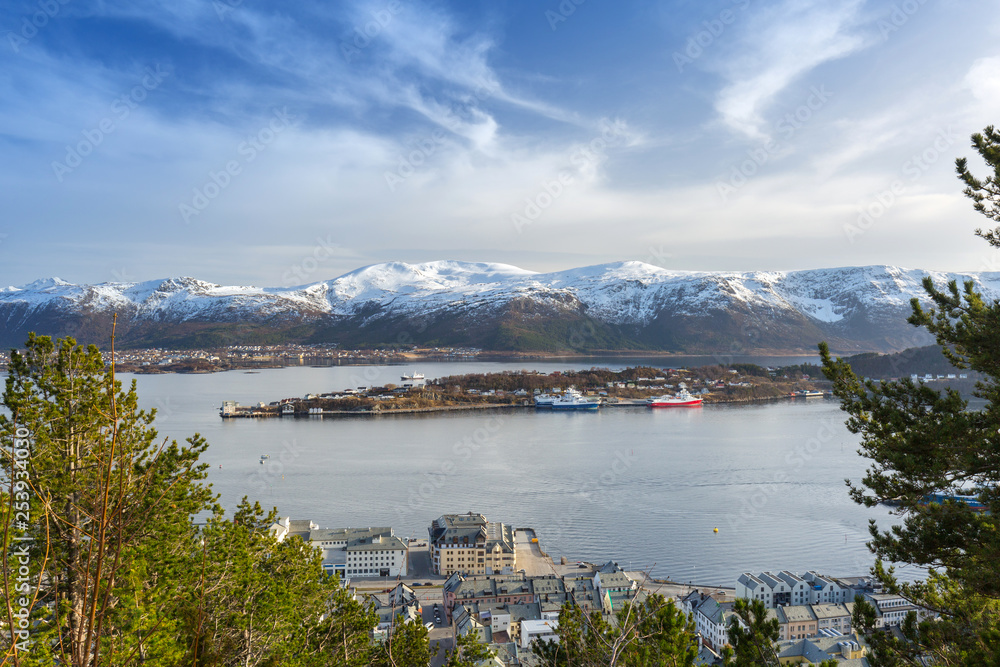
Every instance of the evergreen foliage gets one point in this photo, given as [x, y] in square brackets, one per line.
[922, 441]
[642, 634]
[105, 565]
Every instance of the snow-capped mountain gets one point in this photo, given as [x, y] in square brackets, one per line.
[625, 305]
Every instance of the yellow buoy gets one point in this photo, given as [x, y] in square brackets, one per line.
[715, 530]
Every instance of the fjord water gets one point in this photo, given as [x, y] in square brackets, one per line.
[643, 487]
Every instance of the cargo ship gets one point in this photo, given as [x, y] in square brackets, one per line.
[680, 400]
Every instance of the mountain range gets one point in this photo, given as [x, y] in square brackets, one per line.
[619, 306]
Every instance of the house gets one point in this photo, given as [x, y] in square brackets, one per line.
[503, 589]
[399, 607]
[711, 621]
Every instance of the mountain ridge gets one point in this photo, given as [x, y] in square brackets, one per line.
[624, 305]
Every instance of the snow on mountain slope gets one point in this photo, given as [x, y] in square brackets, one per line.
[631, 293]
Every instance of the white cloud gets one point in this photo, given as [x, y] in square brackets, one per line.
[983, 79]
[781, 44]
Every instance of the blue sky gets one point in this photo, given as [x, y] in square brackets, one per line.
[249, 142]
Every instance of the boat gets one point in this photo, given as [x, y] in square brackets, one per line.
[973, 502]
[264, 457]
[806, 393]
[681, 399]
[545, 401]
[574, 400]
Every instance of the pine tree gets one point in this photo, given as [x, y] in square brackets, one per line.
[647, 633]
[102, 523]
[922, 441]
[258, 601]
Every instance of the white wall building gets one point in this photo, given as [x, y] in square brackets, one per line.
[541, 629]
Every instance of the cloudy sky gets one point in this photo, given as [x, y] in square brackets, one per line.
[242, 141]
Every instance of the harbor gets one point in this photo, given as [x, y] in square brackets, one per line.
[586, 391]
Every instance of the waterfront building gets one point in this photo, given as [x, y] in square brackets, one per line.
[470, 544]
[826, 590]
[786, 588]
[351, 552]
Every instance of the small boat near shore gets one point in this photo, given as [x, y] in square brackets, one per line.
[682, 399]
[806, 393]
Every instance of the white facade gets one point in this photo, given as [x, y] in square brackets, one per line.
[379, 557]
[786, 588]
[827, 591]
[892, 609]
[543, 629]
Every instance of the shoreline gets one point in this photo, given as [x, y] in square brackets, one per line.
[631, 403]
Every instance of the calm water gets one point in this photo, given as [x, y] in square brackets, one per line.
[643, 487]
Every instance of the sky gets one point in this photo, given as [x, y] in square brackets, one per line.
[277, 144]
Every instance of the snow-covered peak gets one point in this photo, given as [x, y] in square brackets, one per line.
[618, 293]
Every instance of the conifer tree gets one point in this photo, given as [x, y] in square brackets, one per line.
[928, 445]
[98, 515]
[643, 633]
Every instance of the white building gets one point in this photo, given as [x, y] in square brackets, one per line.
[351, 552]
[826, 590]
[892, 609]
[711, 618]
[785, 588]
[540, 629]
[413, 381]
[379, 556]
